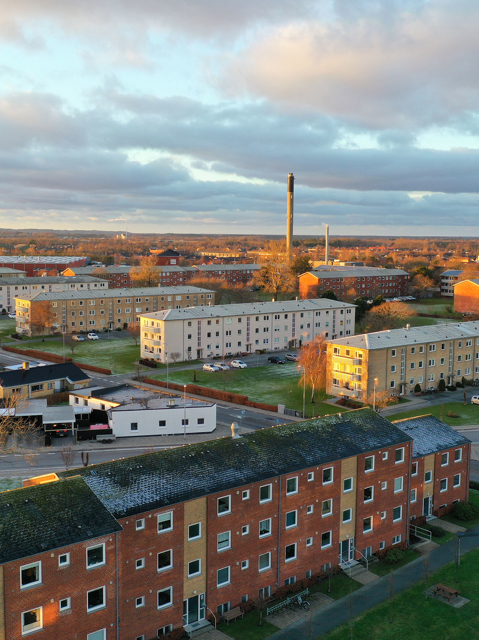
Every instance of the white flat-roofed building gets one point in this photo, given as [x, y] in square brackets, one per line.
[205, 332]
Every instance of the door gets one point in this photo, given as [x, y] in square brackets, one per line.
[194, 609]
[427, 510]
[402, 389]
[346, 550]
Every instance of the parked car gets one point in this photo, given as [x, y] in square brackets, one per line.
[92, 336]
[59, 433]
[221, 366]
[78, 338]
[209, 366]
[292, 356]
[475, 400]
[276, 360]
[12, 316]
[238, 364]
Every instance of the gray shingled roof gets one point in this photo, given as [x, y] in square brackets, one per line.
[50, 516]
[430, 434]
[115, 293]
[40, 259]
[48, 280]
[356, 272]
[155, 480]
[35, 375]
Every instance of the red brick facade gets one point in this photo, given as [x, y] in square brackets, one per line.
[389, 286]
[466, 297]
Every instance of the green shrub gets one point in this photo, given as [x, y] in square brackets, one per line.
[474, 485]
[437, 532]
[459, 385]
[451, 387]
[417, 388]
[466, 511]
[393, 556]
[442, 385]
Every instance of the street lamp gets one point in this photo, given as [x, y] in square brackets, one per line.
[374, 397]
[184, 411]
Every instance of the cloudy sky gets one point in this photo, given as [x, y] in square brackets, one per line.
[188, 115]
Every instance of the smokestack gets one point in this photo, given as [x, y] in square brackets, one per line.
[326, 246]
[290, 212]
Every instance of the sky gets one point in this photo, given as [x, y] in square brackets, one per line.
[187, 116]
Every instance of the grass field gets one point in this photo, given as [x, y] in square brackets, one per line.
[468, 414]
[439, 306]
[117, 354]
[412, 616]
[382, 568]
[272, 384]
[7, 327]
[473, 497]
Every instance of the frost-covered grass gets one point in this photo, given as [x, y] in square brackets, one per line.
[468, 414]
[272, 384]
[117, 354]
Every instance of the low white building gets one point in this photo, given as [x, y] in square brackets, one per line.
[219, 330]
[130, 411]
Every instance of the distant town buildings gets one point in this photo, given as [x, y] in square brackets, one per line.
[42, 265]
[242, 328]
[357, 281]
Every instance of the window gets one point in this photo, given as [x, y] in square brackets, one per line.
[309, 509]
[457, 480]
[347, 515]
[32, 620]
[165, 597]
[291, 519]
[382, 545]
[326, 508]
[328, 475]
[326, 539]
[444, 459]
[414, 469]
[399, 455]
[140, 563]
[224, 540]
[309, 542]
[245, 494]
[290, 552]
[367, 524]
[385, 455]
[31, 575]
[224, 505]
[265, 493]
[413, 495]
[291, 486]
[347, 485]
[393, 368]
[65, 604]
[428, 476]
[244, 564]
[397, 514]
[140, 602]
[245, 530]
[162, 423]
[95, 556]
[397, 539]
[165, 560]
[64, 560]
[368, 494]
[398, 484]
[310, 476]
[369, 464]
[265, 528]
[443, 485]
[393, 353]
[194, 568]
[458, 455]
[96, 599]
[264, 561]
[383, 515]
[140, 524]
[165, 522]
[194, 531]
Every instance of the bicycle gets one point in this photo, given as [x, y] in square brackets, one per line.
[300, 603]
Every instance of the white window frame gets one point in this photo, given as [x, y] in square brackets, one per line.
[168, 567]
[403, 455]
[397, 539]
[440, 484]
[167, 604]
[196, 573]
[98, 606]
[140, 524]
[270, 493]
[270, 528]
[160, 515]
[139, 563]
[97, 564]
[372, 468]
[326, 482]
[224, 548]
[310, 476]
[295, 491]
[460, 455]
[66, 562]
[245, 495]
[227, 581]
[372, 524]
[67, 606]
[454, 485]
[244, 564]
[245, 530]
[445, 464]
[139, 602]
[372, 495]
[262, 555]
[426, 473]
[352, 485]
[326, 514]
[198, 537]
[38, 581]
[401, 478]
[413, 496]
[223, 513]
[350, 517]
[330, 544]
[38, 624]
[400, 513]
[295, 557]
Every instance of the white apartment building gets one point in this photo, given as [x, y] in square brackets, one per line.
[11, 288]
[242, 328]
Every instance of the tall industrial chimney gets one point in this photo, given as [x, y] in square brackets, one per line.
[326, 246]
[290, 212]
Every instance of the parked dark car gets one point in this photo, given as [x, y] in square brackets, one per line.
[276, 360]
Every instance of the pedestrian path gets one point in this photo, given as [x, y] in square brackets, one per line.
[357, 602]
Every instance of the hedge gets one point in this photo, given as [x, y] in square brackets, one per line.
[225, 396]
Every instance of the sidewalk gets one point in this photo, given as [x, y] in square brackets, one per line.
[372, 594]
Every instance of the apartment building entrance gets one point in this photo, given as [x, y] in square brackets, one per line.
[346, 550]
[194, 609]
[427, 510]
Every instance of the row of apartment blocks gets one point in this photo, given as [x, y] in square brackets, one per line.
[399, 359]
[75, 311]
[132, 549]
[242, 328]
[32, 266]
[11, 288]
[357, 281]
[172, 275]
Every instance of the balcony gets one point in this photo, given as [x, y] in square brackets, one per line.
[347, 360]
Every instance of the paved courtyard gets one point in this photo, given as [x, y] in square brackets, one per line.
[287, 616]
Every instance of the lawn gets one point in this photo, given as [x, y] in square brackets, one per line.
[412, 616]
[248, 628]
[117, 354]
[272, 384]
[473, 497]
[434, 306]
[382, 568]
[7, 484]
[468, 414]
[341, 585]
[7, 327]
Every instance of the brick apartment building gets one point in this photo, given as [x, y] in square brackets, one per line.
[137, 547]
[466, 297]
[399, 359]
[74, 311]
[362, 281]
[234, 274]
[39, 265]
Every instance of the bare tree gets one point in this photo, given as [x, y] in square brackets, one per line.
[175, 356]
[15, 432]
[421, 285]
[71, 344]
[275, 275]
[380, 400]
[219, 286]
[134, 329]
[68, 455]
[313, 364]
[388, 315]
[147, 273]
[41, 317]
